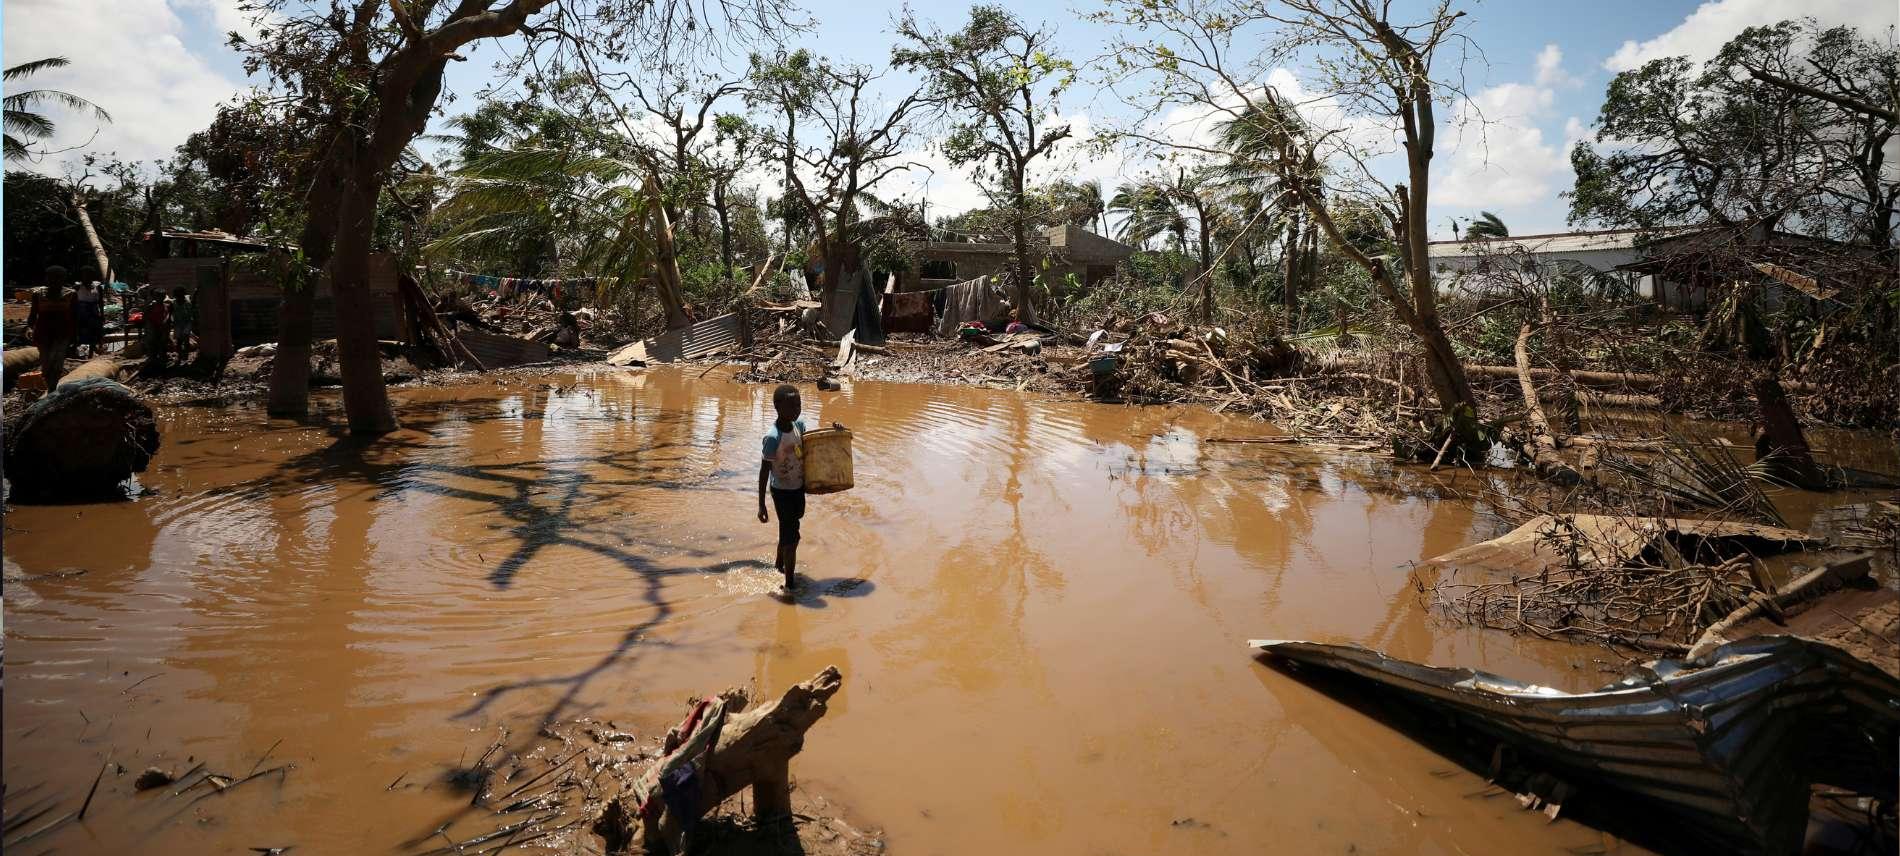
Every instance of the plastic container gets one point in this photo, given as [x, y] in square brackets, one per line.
[827, 460]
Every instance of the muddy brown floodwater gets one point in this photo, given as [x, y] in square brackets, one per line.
[1040, 608]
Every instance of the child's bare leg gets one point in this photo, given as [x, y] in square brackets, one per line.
[791, 564]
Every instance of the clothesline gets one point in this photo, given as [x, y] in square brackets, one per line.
[518, 282]
[506, 287]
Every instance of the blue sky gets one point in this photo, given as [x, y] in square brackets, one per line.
[160, 66]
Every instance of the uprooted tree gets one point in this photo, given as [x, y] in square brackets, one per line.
[371, 72]
[1777, 150]
[1379, 71]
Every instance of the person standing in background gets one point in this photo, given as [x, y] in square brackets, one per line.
[86, 318]
[51, 320]
[184, 316]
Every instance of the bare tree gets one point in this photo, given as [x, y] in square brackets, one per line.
[999, 81]
[1377, 72]
[855, 137]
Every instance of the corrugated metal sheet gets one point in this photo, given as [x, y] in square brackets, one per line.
[687, 343]
[1727, 751]
[497, 351]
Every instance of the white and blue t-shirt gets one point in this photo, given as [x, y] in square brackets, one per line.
[782, 452]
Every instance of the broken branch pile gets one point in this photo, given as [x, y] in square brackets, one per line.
[1655, 584]
[1657, 608]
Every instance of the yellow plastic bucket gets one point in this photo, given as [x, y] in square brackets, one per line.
[827, 460]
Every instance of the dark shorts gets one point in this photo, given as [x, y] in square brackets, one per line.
[789, 505]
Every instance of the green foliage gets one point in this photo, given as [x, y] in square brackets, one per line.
[25, 125]
[124, 200]
[1147, 282]
[1001, 77]
[1487, 226]
[1682, 144]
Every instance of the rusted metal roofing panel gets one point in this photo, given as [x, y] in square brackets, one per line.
[1729, 750]
[497, 351]
[686, 343]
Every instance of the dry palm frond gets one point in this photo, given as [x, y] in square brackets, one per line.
[1698, 471]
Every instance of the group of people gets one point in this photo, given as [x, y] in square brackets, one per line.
[168, 323]
[62, 321]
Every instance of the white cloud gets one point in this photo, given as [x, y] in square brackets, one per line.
[131, 60]
[1714, 23]
[226, 16]
[1550, 68]
[1499, 157]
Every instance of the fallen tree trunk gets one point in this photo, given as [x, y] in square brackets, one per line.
[1585, 378]
[1541, 446]
[1607, 399]
[1568, 416]
[1782, 447]
[1631, 380]
[749, 749]
[82, 441]
[97, 367]
[19, 361]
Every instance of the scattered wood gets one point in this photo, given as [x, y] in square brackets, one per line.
[1814, 584]
[91, 791]
[753, 749]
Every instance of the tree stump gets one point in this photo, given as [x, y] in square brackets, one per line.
[1782, 447]
[754, 750]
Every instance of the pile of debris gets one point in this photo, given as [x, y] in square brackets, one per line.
[1652, 583]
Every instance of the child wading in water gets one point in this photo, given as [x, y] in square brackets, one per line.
[783, 471]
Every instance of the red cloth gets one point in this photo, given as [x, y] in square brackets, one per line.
[52, 320]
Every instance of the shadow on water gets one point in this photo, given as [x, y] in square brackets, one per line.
[397, 464]
[816, 594]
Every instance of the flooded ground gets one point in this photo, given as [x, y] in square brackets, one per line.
[1040, 608]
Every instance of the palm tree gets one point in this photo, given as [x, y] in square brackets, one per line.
[1486, 227]
[1147, 208]
[594, 212]
[23, 124]
[1098, 205]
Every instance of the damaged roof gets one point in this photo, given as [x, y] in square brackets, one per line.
[1726, 751]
